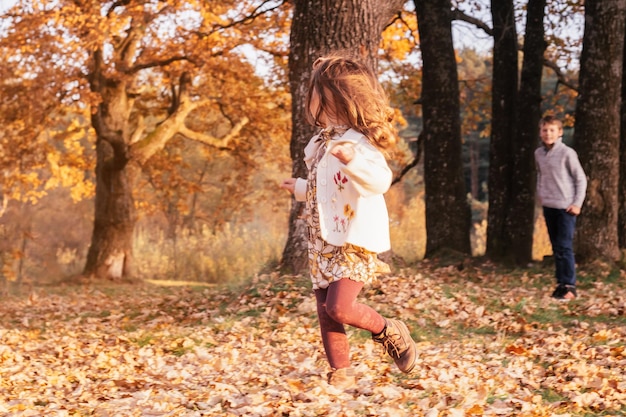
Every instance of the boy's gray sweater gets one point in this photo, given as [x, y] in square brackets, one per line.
[561, 181]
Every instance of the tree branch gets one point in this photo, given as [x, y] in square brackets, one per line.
[273, 52]
[221, 143]
[138, 133]
[117, 4]
[129, 46]
[460, 15]
[559, 75]
[5, 202]
[252, 16]
[412, 164]
[399, 18]
[158, 63]
[243, 21]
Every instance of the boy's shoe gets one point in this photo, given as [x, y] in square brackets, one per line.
[398, 343]
[564, 292]
[342, 378]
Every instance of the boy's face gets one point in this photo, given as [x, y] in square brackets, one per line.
[550, 133]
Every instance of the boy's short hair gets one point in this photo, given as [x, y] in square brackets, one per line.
[551, 120]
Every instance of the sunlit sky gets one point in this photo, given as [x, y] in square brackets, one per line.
[6, 5]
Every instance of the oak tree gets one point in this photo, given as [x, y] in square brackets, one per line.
[597, 134]
[504, 108]
[447, 211]
[621, 223]
[136, 75]
[519, 216]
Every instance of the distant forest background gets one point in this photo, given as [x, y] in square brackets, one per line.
[147, 138]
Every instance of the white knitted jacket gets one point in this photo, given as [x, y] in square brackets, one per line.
[350, 198]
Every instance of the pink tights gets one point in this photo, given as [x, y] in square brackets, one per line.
[336, 306]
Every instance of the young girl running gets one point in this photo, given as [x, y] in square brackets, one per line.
[347, 216]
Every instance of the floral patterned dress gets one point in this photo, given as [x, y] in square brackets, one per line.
[327, 262]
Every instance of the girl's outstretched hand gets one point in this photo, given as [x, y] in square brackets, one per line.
[343, 152]
[289, 184]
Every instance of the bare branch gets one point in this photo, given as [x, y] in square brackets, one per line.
[559, 75]
[212, 141]
[273, 52]
[129, 46]
[399, 18]
[252, 16]
[5, 202]
[138, 133]
[243, 21]
[412, 164]
[460, 15]
[158, 63]
[179, 92]
[117, 4]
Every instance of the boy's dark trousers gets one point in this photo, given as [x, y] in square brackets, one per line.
[561, 226]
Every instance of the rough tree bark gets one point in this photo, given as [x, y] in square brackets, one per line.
[596, 130]
[520, 213]
[504, 110]
[621, 229]
[448, 216]
[320, 27]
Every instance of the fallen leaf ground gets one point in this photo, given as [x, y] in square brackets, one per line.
[490, 343]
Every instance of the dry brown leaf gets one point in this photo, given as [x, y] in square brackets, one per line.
[183, 353]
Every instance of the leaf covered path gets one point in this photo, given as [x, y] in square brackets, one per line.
[489, 344]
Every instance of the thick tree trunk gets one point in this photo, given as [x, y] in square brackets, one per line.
[110, 253]
[596, 134]
[320, 27]
[448, 216]
[621, 229]
[504, 107]
[520, 218]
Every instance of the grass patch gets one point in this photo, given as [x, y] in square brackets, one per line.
[600, 413]
[550, 316]
[429, 332]
[180, 350]
[485, 331]
[493, 398]
[551, 396]
[144, 340]
[230, 254]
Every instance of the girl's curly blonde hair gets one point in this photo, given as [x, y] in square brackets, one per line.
[349, 91]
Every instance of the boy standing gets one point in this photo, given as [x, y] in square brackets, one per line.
[561, 188]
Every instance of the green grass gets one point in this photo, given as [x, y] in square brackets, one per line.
[550, 316]
[600, 413]
[551, 396]
[493, 398]
[144, 340]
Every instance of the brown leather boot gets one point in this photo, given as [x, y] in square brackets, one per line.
[398, 343]
[342, 378]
